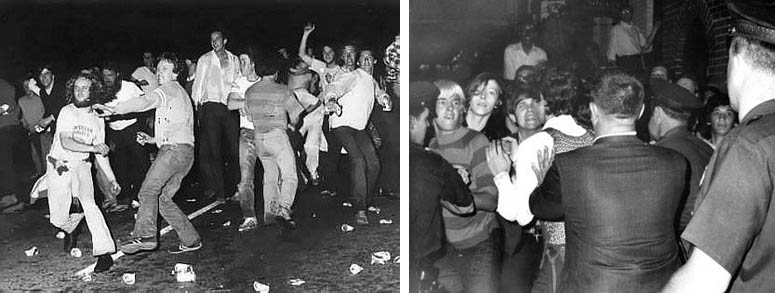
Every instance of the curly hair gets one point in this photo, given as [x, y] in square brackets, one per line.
[97, 90]
[559, 89]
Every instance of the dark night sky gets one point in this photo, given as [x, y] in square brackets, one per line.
[75, 35]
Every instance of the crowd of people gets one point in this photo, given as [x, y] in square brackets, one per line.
[557, 178]
[261, 112]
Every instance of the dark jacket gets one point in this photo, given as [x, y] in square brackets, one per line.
[619, 199]
[698, 153]
[433, 180]
[54, 102]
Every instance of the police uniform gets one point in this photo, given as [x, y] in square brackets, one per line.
[696, 151]
[734, 222]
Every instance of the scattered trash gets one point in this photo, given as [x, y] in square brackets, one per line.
[346, 228]
[296, 282]
[355, 269]
[386, 222]
[128, 278]
[227, 224]
[135, 204]
[314, 215]
[87, 278]
[191, 200]
[184, 273]
[397, 259]
[375, 210]
[258, 287]
[60, 235]
[32, 251]
[347, 204]
[135, 216]
[75, 252]
[217, 211]
[380, 257]
[47, 216]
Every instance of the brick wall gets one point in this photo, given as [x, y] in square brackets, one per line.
[678, 15]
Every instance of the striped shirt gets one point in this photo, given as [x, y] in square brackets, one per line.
[467, 148]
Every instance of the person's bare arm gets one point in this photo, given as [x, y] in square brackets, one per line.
[234, 101]
[308, 29]
[700, 274]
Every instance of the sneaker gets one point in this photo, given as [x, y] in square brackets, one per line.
[182, 248]
[104, 262]
[249, 223]
[139, 244]
[361, 218]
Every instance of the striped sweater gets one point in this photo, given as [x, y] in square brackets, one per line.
[466, 148]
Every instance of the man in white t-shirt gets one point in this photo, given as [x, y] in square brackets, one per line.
[146, 75]
[523, 53]
[129, 157]
[326, 69]
[79, 134]
[247, 148]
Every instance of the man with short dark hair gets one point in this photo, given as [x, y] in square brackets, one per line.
[732, 229]
[523, 53]
[669, 126]
[52, 93]
[145, 76]
[626, 43]
[215, 73]
[618, 198]
[174, 135]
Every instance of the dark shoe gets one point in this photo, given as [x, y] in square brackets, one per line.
[104, 262]
[287, 224]
[139, 244]
[71, 240]
[182, 248]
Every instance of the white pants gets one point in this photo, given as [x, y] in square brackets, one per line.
[77, 181]
[313, 128]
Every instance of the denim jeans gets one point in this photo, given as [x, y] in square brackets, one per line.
[219, 127]
[474, 269]
[161, 183]
[247, 163]
[77, 180]
[364, 164]
[280, 181]
[551, 266]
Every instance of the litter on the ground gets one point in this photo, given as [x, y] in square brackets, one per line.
[191, 200]
[128, 278]
[380, 257]
[375, 210]
[135, 204]
[32, 251]
[184, 273]
[258, 287]
[217, 211]
[397, 259]
[346, 228]
[60, 235]
[355, 269]
[296, 282]
[314, 215]
[227, 224]
[47, 216]
[347, 204]
[87, 278]
[75, 252]
[386, 222]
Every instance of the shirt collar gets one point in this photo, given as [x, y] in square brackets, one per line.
[676, 131]
[626, 133]
[757, 112]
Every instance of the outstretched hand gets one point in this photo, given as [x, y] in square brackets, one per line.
[545, 160]
[104, 111]
[497, 160]
[463, 173]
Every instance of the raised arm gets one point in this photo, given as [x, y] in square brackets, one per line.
[308, 29]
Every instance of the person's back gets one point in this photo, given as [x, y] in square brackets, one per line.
[619, 224]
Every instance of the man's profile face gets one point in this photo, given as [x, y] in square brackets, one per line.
[246, 65]
[419, 126]
[46, 78]
[217, 41]
[148, 59]
[449, 111]
[109, 77]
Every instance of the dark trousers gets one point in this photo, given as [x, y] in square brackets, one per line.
[388, 124]
[129, 160]
[520, 269]
[219, 136]
[364, 164]
[474, 269]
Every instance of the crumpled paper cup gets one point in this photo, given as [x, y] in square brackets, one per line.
[32, 251]
[385, 222]
[258, 287]
[296, 282]
[128, 278]
[380, 257]
[346, 228]
[355, 269]
[184, 273]
[75, 252]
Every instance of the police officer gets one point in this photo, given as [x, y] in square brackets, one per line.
[669, 126]
[733, 227]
